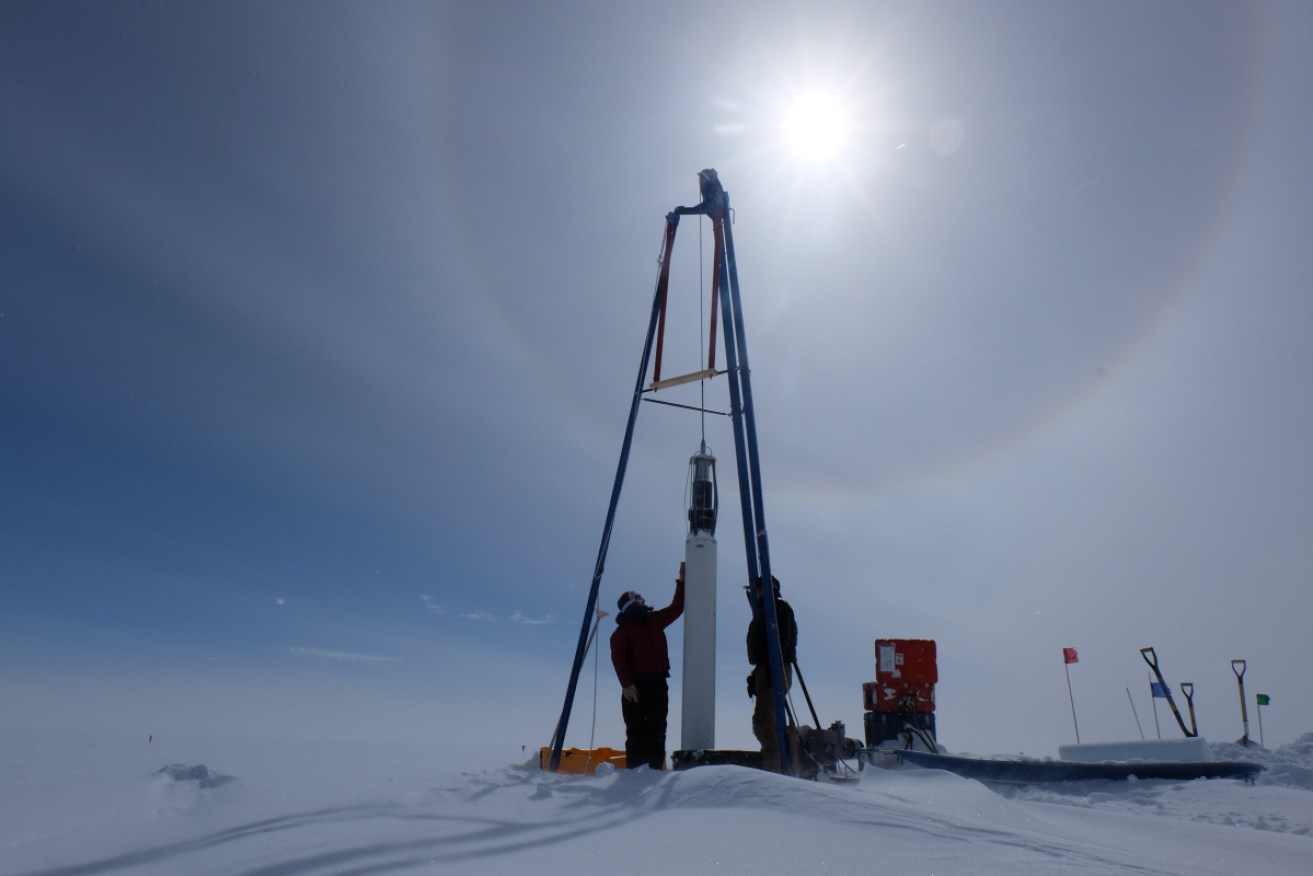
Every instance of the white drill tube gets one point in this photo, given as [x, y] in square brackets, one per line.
[699, 714]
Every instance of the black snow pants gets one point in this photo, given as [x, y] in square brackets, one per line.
[645, 724]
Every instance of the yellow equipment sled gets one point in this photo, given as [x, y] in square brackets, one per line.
[581, 761]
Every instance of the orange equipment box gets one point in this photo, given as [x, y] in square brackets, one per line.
[581, 761]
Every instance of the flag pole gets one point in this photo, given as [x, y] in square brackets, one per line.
[1258, 707]
[1153, 700]
[1135, 713]
[1066, 667]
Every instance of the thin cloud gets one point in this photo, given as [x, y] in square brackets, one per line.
[341, 656]
[518, 618]
[433, 607]
[479, 615]
[1089, 182]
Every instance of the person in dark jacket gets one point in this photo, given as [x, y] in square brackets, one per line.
[759, 682]
[642, 664]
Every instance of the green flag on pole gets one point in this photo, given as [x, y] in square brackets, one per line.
[1263, 699]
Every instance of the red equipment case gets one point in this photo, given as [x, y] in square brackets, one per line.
[911, 661]
[903, 668]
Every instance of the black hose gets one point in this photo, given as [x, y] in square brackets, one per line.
[803, 684]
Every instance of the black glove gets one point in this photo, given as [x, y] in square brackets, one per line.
[752, 688]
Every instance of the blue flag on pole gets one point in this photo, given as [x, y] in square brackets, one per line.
[1159, 689]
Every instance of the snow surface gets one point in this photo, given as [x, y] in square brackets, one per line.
[98, 803]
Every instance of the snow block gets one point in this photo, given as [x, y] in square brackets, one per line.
[1192, 750]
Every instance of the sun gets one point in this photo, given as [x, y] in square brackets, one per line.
[816, 127]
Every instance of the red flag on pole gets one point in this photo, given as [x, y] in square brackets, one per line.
[1068, 658]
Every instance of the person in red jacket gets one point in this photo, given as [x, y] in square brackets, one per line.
[642, 664]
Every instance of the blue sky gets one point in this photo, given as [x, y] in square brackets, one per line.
[318, 323]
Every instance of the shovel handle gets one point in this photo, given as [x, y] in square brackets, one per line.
[1150, 657]
[1239, 673]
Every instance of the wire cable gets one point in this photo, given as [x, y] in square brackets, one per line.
[592, 733]
[702, 385]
